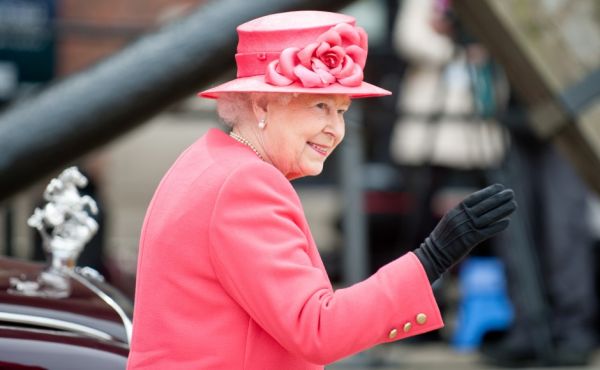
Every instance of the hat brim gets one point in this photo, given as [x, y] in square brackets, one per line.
[257, 84]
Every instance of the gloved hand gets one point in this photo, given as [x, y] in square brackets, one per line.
[478, 217]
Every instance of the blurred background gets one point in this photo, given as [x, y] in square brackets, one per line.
[483, 91]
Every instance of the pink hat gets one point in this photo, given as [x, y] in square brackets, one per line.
[301, 52]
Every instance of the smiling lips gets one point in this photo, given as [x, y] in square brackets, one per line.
[323, 150]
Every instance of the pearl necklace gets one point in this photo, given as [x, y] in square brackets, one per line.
[245, 142]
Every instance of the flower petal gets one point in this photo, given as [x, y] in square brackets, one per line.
[307, 77]
[348, 32]
[323, 47]
[339, 51]
[331, 37]
[347, 68]
[364, 38]
[336, 71]
[273, 77]
[357, 54]
[355, 79]
[287, 62]
[306, 53]
[326, 77]
[318, 64]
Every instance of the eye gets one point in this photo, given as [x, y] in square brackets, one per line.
[321, 105]
[342, 111]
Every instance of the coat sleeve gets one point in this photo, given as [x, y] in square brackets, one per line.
[259, 252]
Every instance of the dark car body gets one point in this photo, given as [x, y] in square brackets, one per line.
[88, 329]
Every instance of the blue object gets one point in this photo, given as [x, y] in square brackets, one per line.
[484, 303]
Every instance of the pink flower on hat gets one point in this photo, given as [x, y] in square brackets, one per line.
[338, 55]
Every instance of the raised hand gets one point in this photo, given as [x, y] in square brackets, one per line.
[478, 217]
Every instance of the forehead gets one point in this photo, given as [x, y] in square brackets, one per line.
[338, 100]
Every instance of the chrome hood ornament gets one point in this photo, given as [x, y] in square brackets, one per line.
[65, 226]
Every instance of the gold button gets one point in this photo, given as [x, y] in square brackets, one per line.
[407, 327]
[393, 333]
[421, 319]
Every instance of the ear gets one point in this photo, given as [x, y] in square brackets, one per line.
[260, 104]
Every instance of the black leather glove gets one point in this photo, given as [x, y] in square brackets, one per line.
[478, 217]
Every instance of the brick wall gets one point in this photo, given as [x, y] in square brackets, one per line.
[91, 30]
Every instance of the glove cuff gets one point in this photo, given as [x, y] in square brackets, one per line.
[431, 272]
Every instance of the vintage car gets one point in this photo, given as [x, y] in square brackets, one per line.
[88, 329]
[56, 315]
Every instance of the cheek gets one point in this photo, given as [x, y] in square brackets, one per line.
[341, 136]
[289, 149]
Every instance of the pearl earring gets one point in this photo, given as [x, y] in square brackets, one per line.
[262, 123]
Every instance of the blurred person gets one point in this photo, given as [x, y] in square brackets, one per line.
[229, 276]
[437, 124]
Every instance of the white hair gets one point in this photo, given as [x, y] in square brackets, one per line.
[235, 108]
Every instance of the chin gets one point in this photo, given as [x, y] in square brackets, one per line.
[304, 174]
[314, 171]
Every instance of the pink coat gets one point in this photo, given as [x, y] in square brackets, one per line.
[229, 276]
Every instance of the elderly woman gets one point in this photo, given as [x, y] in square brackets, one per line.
[229, 276]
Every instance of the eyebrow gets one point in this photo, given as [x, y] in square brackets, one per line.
[333, 101]
[345, 105]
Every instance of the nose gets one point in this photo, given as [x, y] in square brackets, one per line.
[336, 128]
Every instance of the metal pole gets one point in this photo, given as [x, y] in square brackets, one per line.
[355, 255]
[8, 229]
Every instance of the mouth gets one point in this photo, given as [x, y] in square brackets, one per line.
[322, 150]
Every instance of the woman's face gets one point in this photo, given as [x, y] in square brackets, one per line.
[301, 134]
